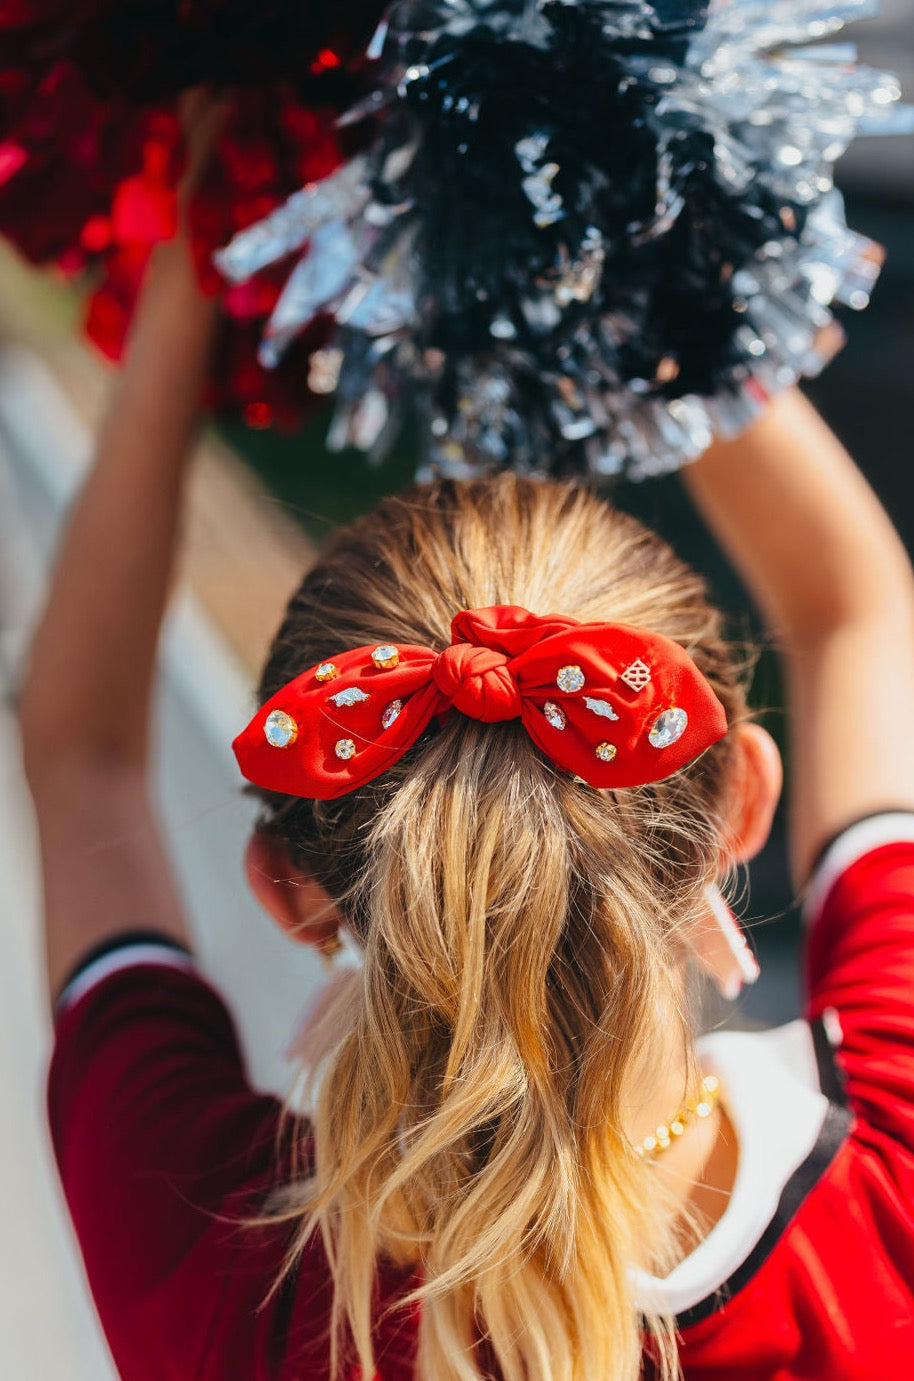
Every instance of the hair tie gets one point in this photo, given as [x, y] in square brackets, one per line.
[616, 705]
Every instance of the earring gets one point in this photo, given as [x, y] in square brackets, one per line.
[721, 947]
[329, 947]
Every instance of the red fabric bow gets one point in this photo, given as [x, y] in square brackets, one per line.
[616, 705]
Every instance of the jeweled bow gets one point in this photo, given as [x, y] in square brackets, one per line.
[616, 705]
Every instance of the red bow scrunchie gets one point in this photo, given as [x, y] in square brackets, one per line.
[616, 705]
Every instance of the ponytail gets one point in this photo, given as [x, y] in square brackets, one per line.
[522, 975]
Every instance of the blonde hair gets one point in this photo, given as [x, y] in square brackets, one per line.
[522, 938]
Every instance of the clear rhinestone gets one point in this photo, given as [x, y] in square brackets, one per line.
[280, 729]
[669, 728]
[636, 675]
[326, 672]
[352, 695]
[600, 707]
[345, 749]
[569, 679]
[606, 751]
[555, 714]
[391, 714]
[385, 656]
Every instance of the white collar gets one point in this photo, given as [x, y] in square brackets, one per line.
[770, 1087]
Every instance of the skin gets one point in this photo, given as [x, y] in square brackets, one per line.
[816, 550]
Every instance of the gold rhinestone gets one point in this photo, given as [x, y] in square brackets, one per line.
[676, 1127]
[710, 1083]
[392, 713]
[280, 729]
[668, 728]
[385, 657]
[569, 679]
[703, 1110]
[345, 749]
[326, 672]
[555, 714]
[606, 751]
[649, 1143]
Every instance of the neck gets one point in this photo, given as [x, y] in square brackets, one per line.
[697, 1171]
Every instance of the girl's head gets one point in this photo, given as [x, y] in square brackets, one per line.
[524, 935]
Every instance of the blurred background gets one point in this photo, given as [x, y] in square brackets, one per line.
[261, 505]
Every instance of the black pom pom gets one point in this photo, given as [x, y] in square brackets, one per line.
[588, 234]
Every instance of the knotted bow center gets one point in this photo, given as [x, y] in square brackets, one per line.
[478, 682]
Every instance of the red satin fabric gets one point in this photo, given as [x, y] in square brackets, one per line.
[478, 682]
[502, 664]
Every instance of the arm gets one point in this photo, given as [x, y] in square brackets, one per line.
[833, 582]
[85, 704]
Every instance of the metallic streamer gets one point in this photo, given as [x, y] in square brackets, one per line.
[586, 236]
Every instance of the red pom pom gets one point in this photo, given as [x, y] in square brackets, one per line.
[91, 151]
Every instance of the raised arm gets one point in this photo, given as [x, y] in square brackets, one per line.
[85, 704]
[833, 582]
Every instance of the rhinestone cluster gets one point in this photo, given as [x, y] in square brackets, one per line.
[669, 728]
[352, 695]
[391, 714]
[555, 714]
[600, 707]
[569, 679]
[280, 729]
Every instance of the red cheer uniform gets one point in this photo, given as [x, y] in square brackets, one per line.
[166, 1153]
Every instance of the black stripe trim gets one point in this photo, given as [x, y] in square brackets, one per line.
[831, 1075]
[851, 824]
[835, 1131]
[115, 942]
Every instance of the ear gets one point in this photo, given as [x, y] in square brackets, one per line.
[295, 901]
[754, 788]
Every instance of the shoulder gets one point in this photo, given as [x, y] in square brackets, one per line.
[147, 1073]
[776, 1086]
[823, 1107]
[168, 1157]
[132, 949]
[864, 854]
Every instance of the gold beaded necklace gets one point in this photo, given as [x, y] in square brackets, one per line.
[707, 1101]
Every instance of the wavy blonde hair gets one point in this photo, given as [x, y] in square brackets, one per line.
[522, 937]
